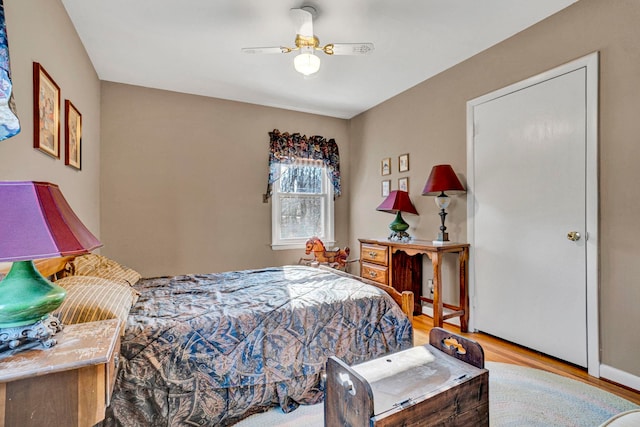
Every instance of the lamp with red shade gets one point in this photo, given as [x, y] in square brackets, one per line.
[442, 178]
[35, 222]
[398, 201]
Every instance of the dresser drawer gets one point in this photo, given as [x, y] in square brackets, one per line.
[374, 253]
[374, 272]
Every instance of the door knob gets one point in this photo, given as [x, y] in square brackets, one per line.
[574, 236]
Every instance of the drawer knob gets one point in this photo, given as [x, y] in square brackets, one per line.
[373, 254]
[373, 273]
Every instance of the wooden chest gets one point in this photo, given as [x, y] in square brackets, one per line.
[443, 383]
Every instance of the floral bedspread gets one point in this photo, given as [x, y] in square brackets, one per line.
[211, 349]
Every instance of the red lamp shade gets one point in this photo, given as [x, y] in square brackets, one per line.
[397, 201]
[37, 222]
[442, 178]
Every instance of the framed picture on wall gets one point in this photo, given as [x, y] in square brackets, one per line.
[72, 135]
[403, 162]
[46, 112]
[385, 166]
[386, 187]
[403, 184]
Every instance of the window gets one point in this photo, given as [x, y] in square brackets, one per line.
[302, 205]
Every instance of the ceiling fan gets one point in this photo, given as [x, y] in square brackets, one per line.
[307, 62]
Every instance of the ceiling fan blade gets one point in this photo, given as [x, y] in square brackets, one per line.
[348, 48]
[303, 20]
[275, 49]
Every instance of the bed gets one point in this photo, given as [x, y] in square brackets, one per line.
[211, 349]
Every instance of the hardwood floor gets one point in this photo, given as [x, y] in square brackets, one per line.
[497, 350]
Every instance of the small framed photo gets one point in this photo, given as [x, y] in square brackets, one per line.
[403, 163]
[403, 184]
[72, 135]
[386, 187]
[46, 112]
[385, 167]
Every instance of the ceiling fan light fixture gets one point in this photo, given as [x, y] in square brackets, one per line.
[307, 44]
[306, 63]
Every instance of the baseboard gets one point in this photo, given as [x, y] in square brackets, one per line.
[621, 377]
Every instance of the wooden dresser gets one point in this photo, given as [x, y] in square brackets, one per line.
[399, 264]
[69, 384]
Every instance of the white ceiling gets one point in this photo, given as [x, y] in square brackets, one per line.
[193, 46]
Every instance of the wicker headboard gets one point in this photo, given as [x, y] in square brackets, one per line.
[47, 266]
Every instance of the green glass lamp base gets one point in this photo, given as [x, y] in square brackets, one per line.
[399, 224]
[26, 297]
[399, 229]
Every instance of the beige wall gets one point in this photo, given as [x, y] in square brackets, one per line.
[40, 31]
[183, 178]
[429, 122]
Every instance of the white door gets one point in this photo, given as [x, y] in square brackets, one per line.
[529, 188]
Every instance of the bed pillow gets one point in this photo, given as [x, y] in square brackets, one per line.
[90, 299]
[101, 266]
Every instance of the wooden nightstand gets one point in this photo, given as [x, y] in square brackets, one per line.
[69, 384]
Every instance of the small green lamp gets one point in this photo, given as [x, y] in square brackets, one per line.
[35, 222]
[398, 201]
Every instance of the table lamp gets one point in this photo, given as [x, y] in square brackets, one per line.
[35, 222]
[442, 178]
[398, 201]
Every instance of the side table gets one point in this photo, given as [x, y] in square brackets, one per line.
[69, 384]
[398, 264]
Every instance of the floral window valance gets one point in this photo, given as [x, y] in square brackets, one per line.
[288, 148]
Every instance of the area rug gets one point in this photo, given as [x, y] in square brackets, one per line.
[518, 397]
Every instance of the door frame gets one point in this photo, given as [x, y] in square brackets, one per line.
[590, 64]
